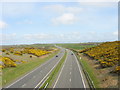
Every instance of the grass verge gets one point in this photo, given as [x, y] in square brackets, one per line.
[10, 74]
[54, 73]
[89, 70]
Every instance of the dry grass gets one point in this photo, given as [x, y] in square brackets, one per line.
[106, 79]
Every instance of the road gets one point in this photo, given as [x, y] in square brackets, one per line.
[32, 79]
[70, 75]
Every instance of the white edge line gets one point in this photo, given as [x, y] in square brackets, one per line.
[44, 81]
[79, 70]
[29, 73]
[48, 73]
[60, 72]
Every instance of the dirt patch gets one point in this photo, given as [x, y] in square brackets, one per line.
[106, 79]
[44, 56]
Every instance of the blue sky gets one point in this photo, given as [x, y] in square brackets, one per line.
[58, 22]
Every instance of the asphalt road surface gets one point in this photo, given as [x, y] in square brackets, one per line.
[70, 75]
[32, 79]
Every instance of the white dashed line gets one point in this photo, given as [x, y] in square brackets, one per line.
[70, 79]
[70, 73]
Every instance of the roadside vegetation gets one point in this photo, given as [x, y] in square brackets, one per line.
[89, 71]
[17, 61]
[105, 54]
[54, 73]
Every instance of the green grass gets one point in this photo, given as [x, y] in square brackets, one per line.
[76, 46]
[10, 74]
[54, 72]
[91, 72]
[87, 67]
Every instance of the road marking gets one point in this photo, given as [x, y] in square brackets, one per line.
[48, 73]
[60, 71]
[23, 85]
[46, 86]
[70, 79]
[43, 82]
[70, 73]
[30, 72]
[79, 70]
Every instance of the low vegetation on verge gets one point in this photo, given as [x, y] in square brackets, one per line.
[107, 54]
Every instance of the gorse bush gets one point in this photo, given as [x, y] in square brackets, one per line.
[7, 62]
[36, 52]
[106, 53]
[3, 50]
[17, 53]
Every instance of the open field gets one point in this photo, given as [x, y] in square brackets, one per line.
[78, 45]
[18, 62]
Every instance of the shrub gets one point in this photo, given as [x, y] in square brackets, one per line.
[3, 50]
[7, 62]
[106, 53]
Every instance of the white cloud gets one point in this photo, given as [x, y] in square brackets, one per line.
[71, 37]
[60, 9]
[17, 9]
[115, 33]
[66, 18]
[2, 25]
[8, 38]
[41, 36]
[52, 38]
